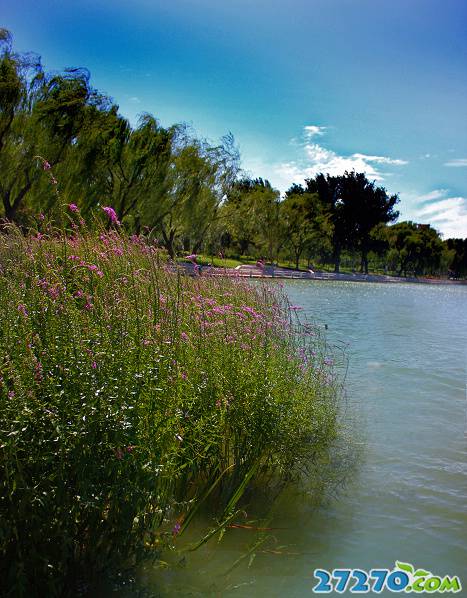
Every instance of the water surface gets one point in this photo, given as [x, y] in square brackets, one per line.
[406, 384]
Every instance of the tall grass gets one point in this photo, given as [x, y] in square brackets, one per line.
[129, 393]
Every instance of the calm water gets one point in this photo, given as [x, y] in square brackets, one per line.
[407, 350]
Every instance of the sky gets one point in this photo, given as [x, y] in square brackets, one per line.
[305, 86]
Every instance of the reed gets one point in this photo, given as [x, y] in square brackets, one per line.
[129, 393]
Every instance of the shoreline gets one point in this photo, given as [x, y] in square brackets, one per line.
[249, 271]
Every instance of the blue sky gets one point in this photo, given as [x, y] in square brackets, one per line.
[304, 85]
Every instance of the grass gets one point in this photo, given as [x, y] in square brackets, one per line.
[130, 394]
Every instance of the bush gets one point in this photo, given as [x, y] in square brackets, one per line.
[126, 389]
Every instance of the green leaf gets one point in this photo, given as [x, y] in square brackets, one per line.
[405, 566]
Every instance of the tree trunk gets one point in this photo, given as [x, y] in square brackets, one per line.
[169, 242]
[298, 253]
[337, 259]
[364, 263]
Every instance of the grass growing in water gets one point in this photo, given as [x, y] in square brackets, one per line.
[130, 393]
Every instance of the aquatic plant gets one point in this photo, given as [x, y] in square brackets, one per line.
[130, 393]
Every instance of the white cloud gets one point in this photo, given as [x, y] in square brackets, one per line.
[134, 100]
[432, 196]
[314, 131]
[457, 163]
[316, 158]
[446, 214]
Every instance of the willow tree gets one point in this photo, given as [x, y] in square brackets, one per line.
[40, 115]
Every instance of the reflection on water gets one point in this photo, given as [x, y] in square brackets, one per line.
[407, 346]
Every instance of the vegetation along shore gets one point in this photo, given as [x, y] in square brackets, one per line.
[131, 395]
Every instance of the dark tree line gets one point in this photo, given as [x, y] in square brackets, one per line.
[184, 191]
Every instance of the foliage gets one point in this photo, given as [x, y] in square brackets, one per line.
[128, 392]
[414, 248]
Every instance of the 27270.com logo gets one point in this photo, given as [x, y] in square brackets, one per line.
[403, 578]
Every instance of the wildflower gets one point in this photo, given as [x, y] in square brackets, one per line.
[73, 207]
[183, 376]
[111, 214]
[41, 217]
[176, 529]
[38, 372]
[46, 165]
[53, 180]
[118, 453]
[22, 310]
[94, 365]
[184, 336]
[11, 394]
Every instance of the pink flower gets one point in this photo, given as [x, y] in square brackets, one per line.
[94, 365]
[22, 310]
[73, 207]
[111, 214]
[176, 528]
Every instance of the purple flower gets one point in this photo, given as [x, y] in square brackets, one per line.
[73, 207]
[111, 214]
[94, 365]
[176, 528]
[22, 310]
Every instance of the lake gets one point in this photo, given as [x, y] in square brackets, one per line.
[406, 388]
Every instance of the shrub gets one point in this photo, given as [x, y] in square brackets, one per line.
[126, 389]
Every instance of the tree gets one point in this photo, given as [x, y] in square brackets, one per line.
[40, 115]
[457, 263]
[303, 222]
[414, 247]
[252, 216]
[366, 206]
[355, 206]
